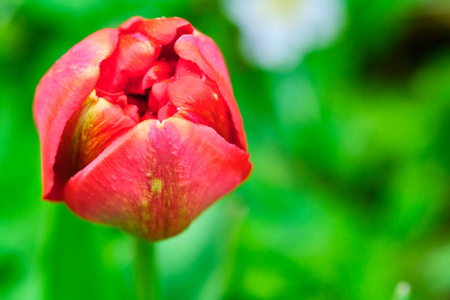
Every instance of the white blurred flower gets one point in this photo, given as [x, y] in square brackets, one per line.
[402, 290]
[279, 33]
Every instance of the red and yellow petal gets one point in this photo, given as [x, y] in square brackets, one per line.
[62, 91]
[154, 180]
[90, 130]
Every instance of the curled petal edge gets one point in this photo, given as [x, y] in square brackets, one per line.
[62, 91]
[203, 51]
[161, 30]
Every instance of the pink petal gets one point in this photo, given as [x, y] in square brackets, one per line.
[157, 178]
[186, 67]
[62, 91]
[159, 92]
[153, 104]
[166, 111]
[197, 102]
[159, 71]
[162, 30]
[202, 50]
[134, 55]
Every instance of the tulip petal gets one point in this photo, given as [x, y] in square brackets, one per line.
[62, 91]
[134, 55]
[162, 30]
[197, 102]
[186, 67]
[202, 50]
[157, 178]
[159, 71]
[90, 130]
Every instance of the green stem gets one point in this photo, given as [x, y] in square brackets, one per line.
[145, 270]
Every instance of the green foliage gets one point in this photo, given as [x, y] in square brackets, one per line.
[349, 194]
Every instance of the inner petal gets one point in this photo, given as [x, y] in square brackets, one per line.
[199, 103]
[90, 130]
[134, 55]
[162, 30]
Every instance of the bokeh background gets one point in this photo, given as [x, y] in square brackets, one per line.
[346, 106]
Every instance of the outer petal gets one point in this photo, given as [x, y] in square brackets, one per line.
[202, 50]
[157, 178]
[62, 91]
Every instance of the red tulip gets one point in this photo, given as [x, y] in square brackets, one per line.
[139, 127]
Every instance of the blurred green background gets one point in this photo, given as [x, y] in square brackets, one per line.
[349, 194]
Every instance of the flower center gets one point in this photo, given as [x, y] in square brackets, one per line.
[143, 78]
[137, 96]
[150, 81]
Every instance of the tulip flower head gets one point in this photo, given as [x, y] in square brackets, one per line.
[139, 127]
